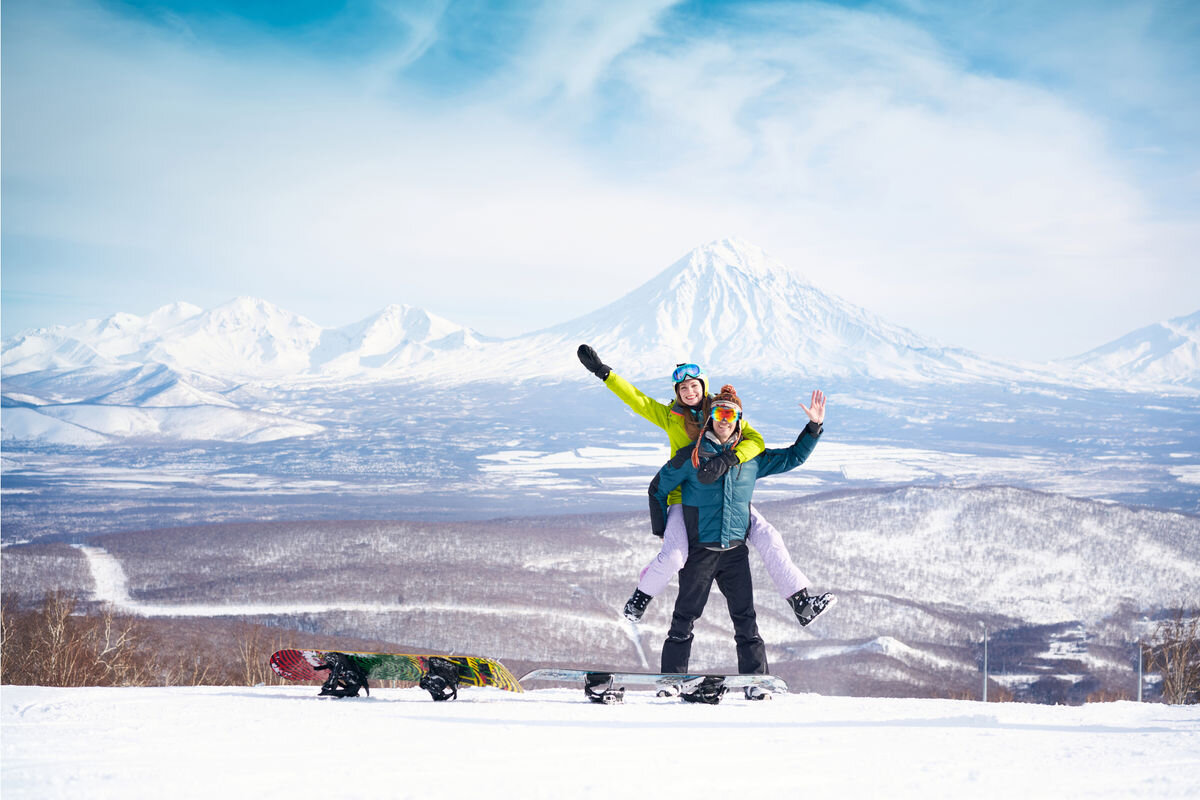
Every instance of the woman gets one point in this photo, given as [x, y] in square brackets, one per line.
[716, 512]
[683, 421]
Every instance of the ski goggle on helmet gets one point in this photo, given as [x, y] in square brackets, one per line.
[687, 372]
[684, 371]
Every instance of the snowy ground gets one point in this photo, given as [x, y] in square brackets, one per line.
[266, 742]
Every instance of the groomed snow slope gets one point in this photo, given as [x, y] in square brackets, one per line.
[284, 742]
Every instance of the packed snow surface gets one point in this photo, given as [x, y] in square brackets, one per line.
[284, 741]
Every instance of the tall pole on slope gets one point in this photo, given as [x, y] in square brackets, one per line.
[1141, 655]
[1139, 669]
[985, 664]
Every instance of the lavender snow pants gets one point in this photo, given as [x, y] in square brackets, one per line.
[786, 576]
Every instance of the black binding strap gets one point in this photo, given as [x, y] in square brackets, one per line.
[441, 681]
[598, 686]
[345, 676]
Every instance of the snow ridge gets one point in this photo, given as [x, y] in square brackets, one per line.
[1164, 353]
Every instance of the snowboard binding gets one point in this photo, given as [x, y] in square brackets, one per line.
[345, 677]
[441, 681]
[598, 686]
[708, 691]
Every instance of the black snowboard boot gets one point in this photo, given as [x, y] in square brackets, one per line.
[598, 687]
[636, 605]
[709, 691]
[807, 608]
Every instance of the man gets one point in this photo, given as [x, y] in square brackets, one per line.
[716, 494]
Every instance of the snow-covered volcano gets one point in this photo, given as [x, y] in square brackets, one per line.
[733, 308]
[1166, 352]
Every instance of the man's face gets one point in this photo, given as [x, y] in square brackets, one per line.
[724, 430]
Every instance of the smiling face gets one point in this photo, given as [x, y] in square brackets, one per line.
[723, 429]
[724, 418]
[690, 392]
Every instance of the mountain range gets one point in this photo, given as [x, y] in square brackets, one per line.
[250, 372]
[728, 305]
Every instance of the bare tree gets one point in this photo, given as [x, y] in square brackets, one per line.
[1175, 654]
[254, 647]
[54, 646]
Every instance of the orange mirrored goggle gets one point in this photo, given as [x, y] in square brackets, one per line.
[725, 414]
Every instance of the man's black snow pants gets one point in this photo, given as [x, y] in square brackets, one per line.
[731, 571]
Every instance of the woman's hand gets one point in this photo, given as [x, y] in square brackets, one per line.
[816, 412]
[588, 357]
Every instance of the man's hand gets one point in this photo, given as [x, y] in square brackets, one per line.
[588, 357]
[816, 412]
[713, 469]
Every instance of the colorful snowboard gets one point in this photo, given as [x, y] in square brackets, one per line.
[300, 665]
[678, 682]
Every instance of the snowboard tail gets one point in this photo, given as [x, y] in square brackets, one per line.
[307, 665]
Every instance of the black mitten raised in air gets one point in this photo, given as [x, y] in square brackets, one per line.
[588, 357]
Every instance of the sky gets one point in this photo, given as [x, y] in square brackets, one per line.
[1018, 178]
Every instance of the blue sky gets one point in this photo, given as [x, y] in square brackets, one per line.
[1018, 178]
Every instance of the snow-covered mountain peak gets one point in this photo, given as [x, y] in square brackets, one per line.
[731, 259]
[1163, 353]
[246, 336]
[1186, 327]
[167, 317]
[253, 312]
[738, 310]
[401, 321]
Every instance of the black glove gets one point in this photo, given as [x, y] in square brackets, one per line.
[712, 470]
[588, 357]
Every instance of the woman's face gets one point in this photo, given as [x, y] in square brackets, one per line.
[690, 392]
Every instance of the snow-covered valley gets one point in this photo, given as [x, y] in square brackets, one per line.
[920, 573]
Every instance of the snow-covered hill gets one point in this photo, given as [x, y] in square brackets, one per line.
[246, 339]
[395, 338]
[120, 337]
[96, 425]
[1164, 353]
[280, 741]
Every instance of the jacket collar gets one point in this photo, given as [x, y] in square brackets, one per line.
[709, 445]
